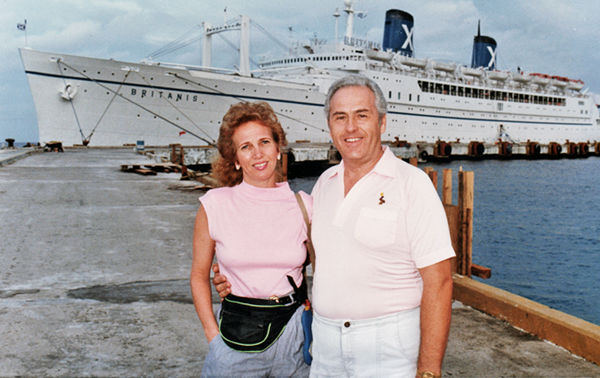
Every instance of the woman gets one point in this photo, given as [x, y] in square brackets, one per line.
[257, 231]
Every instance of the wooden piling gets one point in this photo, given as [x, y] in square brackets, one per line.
[177, 156]
[460, 220]
[434, 179]
[284, 166]
[447, 186]
[432, 175]
[465, 209]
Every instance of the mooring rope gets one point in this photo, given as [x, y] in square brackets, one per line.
[108, 106]
[58, 62]
[176, 108]
[140, 106]
[241, 99]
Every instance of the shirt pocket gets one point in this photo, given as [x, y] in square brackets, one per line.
[376, 228]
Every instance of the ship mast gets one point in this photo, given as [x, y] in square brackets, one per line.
[350, 23]
[336, 15]
[207, 46]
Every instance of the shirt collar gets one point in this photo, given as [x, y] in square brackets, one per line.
[384, 167]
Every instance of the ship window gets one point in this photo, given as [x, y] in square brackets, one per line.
[418, 98]
[500, 106]
[399, 95]
[581, 103]
[410, 97]
[390, 94]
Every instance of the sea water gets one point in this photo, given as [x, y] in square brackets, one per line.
[536, 224]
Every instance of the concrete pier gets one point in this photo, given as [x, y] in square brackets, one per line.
[94, 266]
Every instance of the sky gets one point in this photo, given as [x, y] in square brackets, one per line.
[555, 37]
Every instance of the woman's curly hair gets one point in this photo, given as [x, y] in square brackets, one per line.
[224, 167]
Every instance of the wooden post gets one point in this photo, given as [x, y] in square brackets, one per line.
[434, 178]
[447, 186]
[432, 175]
[413, 161]
[173, 154]
[454, 226]
[465, 206]
[284, 166]
[176, 158]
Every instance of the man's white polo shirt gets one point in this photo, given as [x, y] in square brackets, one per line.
[370, 244]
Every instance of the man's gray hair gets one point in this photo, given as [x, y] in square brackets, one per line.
[357, 81]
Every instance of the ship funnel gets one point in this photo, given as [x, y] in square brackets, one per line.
[484, 51]
[398, 32]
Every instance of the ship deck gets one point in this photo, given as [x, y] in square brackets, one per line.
[94, 279]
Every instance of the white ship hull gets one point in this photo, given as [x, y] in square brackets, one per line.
[110, 103]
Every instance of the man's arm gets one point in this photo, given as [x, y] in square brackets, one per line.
[220, 282]
[436, 313]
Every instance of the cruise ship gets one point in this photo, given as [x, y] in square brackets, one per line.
[434, 108]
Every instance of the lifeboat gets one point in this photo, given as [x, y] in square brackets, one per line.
[576, 85]
[413, 62]
[475, 72]
[540, 79]
[446, 67]
[498, 75]
[520, 78]
[559, 82]
[383, 56]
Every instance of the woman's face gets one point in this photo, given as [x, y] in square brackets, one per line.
[256, 152]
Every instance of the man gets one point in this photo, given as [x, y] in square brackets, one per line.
[382, 293]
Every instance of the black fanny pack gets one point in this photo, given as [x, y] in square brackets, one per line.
[252, 325]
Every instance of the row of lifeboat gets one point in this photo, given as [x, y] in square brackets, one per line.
[535, 78]
[538, 79]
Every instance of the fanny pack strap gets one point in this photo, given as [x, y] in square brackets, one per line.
[302, 292]
[309, 245]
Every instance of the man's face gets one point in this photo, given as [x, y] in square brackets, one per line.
[354, 125]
